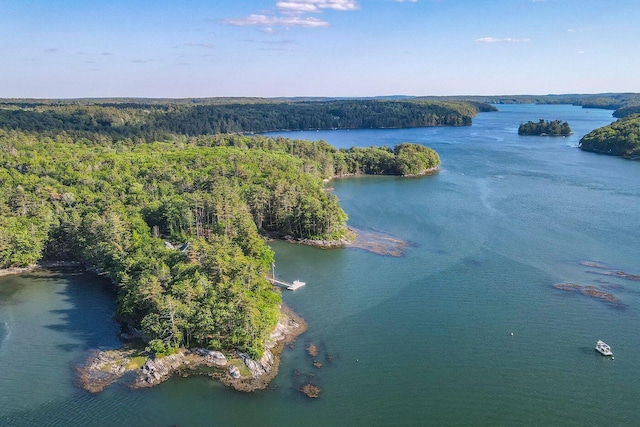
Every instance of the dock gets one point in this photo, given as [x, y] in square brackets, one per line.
[297, 284]
[289, 286]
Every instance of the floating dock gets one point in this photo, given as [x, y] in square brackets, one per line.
[289, 286]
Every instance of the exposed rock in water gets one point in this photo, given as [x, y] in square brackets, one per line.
[605, 270]
[379, 243]
[590, 291]
[155, 371]
[317, 364]
[372, 241]
[311, 391]
[103, 368]
[312, 350]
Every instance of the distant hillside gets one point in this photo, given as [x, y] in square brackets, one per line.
[626, 111]
[153, 119]
[621, 138]
[608, 101]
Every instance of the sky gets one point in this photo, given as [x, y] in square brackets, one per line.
[332, 48]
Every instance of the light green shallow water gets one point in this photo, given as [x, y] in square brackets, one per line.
[424, 339]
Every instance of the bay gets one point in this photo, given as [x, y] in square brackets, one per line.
[464, 329]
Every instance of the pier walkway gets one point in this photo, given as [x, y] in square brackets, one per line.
[290, 286]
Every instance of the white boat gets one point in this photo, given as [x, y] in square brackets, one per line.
[603, 348]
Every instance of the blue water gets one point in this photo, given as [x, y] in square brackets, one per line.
[423, 339]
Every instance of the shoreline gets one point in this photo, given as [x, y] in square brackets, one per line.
[133, 367]
[429, 171]
[17, 270]
[374, 241]
[130, 366]
[40, 266]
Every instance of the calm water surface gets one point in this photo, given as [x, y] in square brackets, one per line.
[424, 339]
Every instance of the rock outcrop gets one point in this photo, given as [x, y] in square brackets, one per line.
[106, 367]
[155, 371]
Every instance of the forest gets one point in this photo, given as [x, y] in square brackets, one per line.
[619, 102]
[149, 121]
[175, 223]
[542, 127]
[626, 111]
[621, 138]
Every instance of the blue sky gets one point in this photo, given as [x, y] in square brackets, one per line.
[269, 48]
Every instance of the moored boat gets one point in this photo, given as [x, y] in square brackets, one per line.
[603, 348]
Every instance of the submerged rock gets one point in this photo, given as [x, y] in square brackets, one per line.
[312, 350]
[590, 291]
[311, 391]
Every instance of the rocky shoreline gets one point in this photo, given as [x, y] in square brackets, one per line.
[135, 369]
[376, 242]
[17, 270]
[34, 267]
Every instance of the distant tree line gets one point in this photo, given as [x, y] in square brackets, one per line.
[626, 111]
[149, 122]
[608, 101]
[542, 127]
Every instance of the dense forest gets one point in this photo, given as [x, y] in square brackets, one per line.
[175, 223]
[627, 111]
[150, 121]
[542, 127]
[621, 138]
[608, 101]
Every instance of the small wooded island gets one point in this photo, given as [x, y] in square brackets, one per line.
[176, 220]
[545, 128]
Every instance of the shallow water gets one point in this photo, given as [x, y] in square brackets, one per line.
[423, 339]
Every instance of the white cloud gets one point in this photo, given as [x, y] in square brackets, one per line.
[498, 40]
[305, 6]
[293, 14]
[296, 7]
[271, 21]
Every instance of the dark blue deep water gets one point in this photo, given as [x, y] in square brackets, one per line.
[465, 329]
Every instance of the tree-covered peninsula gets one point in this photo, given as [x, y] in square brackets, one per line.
[621, 138]
[154, 119]
[176, 223]
[545, 128]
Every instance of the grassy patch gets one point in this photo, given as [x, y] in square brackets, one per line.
[239, 363]
[107, 367]
[136, 362]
